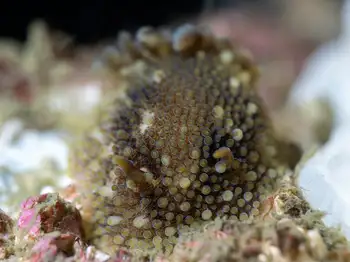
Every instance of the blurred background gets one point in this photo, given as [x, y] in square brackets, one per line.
[279, 33]
[48, 84]
[92, 20]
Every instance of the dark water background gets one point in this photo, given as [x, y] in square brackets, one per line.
[92, 20]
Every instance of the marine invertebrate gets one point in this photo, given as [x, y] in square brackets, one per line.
[186, 141]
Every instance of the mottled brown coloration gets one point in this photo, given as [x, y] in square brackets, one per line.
[188, 141]
[6, 235]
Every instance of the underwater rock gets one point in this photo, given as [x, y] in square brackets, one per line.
[48, 213]
[6, 235]
[51, 247]
[273, 241]
[6, 224]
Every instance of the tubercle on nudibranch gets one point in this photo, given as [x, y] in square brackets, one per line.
[157, 46]
[186, 141]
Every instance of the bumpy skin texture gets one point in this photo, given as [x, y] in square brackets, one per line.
[186, 142]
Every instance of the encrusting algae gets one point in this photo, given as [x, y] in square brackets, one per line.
[187, 141]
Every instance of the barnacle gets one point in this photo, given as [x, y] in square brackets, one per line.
[186, 141]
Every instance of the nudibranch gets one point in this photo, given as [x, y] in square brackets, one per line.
[186, 141]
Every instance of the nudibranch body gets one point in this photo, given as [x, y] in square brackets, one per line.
[188, 141]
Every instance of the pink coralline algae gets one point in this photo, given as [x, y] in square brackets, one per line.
[53, 229]
[50, 247]
[48, 213]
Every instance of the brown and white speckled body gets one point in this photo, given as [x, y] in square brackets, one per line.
[187, 141]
